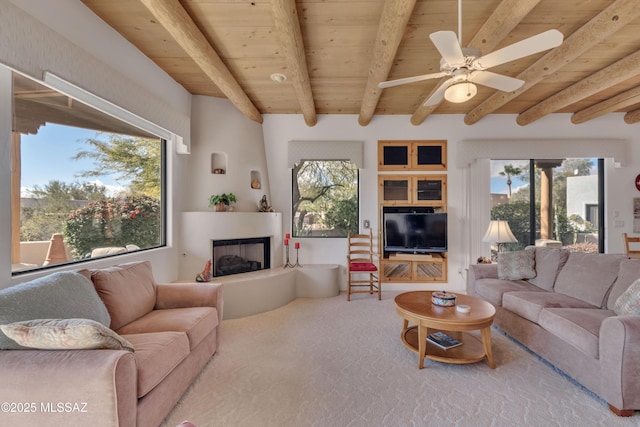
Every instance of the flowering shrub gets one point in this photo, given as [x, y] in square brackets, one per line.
[116, 221]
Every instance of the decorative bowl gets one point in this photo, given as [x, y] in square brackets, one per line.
[443, 299]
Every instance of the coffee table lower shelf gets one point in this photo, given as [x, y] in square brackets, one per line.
[471, 350]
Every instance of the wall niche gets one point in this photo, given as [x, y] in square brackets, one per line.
[218, 163]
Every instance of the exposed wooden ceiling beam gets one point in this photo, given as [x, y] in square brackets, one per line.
[622, 100]
[504, 18]
[615, 73]
[285, 16]
[632, 117]
[393, 23]
[610, 20]
[175, 19]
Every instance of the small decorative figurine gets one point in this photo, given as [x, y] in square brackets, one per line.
[205, 276]
[264, 205]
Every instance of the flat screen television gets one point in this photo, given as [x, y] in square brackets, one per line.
[415, 232]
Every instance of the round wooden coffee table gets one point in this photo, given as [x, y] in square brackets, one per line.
[416, 307]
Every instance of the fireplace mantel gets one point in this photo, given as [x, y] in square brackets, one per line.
[198, 229]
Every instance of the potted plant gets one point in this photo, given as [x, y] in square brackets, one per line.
[221, 201]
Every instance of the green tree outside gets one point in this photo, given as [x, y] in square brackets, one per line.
[53, 204]
[132, 159]
[318, 188]
[510, 171]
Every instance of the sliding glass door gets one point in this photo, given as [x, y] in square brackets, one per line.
[550, 202]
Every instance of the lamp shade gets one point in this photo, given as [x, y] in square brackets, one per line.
[499, 232]
[460, 92]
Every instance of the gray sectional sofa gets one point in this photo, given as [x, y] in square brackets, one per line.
[566, 315]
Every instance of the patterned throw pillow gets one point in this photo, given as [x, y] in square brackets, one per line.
[516, 265]
[629, 301]
[65, 334]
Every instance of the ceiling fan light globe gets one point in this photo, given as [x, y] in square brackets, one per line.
[460, 92]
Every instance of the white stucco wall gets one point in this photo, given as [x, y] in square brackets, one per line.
[581, 190]
[218, 127]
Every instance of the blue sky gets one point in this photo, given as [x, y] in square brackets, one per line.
[499, 183]
[48, 155]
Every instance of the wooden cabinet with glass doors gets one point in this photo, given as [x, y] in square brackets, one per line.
[413, 190]
[422, 155]
[407, 191]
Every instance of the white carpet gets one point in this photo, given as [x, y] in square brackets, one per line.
[327, 362]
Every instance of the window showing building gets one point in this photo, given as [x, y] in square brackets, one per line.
[324, 198]
[547, 202]
[84, 184]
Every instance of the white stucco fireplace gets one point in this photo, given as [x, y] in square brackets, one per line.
[201, 229]
[251, 292]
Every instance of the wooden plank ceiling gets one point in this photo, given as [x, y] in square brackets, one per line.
[335, 52]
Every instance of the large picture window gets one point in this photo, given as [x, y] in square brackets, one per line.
[85, 184]
[325, 198]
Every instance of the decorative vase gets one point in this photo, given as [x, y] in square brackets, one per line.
[220, 207]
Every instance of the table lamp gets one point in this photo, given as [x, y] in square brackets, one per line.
[499, 233]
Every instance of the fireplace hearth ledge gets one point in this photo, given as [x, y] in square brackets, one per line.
[256, 292]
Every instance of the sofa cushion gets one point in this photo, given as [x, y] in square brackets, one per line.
[549, 262]
[529, 304]
[579, 327]
[197, 322]
[492, 290]
[59, 295]
[588, 276]
[629, 272]
[156, 355]
[516, 265]
[128, 291]
[629, 302]
[65, 334]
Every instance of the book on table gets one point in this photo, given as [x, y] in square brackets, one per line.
[443, 340]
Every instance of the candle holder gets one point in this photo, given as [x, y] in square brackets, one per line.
[287, 264]
[297, 263]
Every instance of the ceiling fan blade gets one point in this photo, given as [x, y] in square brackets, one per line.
[437, 95]
[543, 41]
[447, 44]
[397, 82]
[496, 81]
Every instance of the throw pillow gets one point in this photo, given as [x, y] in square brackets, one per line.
[516, 265]
[549, 263]
[629, 301]
[62, 295]
[627, 274]
[127, 290]
[65, 334]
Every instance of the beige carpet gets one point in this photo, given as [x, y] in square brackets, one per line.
[327, 362]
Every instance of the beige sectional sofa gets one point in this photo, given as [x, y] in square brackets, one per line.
[174, 330]
[566, 315]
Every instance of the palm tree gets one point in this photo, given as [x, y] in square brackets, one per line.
[510, 171]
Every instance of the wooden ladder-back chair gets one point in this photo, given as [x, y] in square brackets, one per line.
[361, 269]
[631, 253]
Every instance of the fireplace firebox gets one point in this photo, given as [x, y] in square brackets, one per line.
[235, 256]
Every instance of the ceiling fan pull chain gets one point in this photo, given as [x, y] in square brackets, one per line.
[460, 22]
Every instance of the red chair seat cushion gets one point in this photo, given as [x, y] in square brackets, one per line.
[362, 266]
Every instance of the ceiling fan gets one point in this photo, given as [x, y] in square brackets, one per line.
[465, 66]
